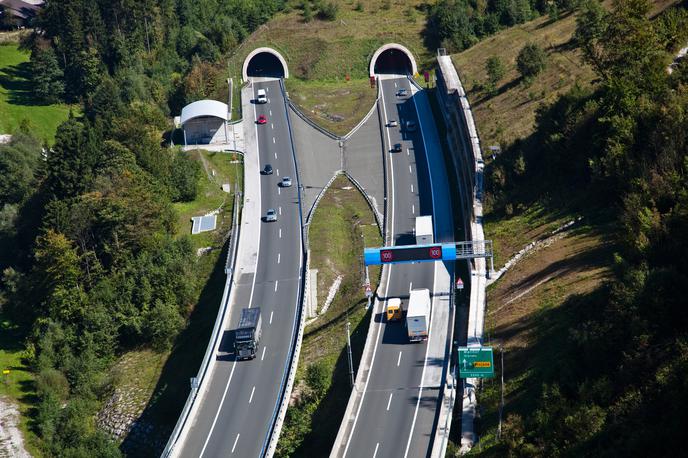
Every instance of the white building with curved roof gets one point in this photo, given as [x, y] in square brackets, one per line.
[204, 122]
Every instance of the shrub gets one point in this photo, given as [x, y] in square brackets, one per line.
[531, 60]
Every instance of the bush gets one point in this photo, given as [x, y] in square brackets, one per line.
[328, 11]
[318, 378]
[185, 175]
[495, 69]
[531, 60]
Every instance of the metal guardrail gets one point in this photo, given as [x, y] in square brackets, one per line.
[198, 381]
[312, 123]
[270, 443]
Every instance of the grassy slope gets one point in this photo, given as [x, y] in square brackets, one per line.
[17, 102]
[321, 53]
[160, 381]
[337, 242]
[531, 306]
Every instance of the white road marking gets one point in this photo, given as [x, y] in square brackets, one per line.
[252, 391]
[270, 112]
[280, 210]
[376, 447]
[413, 209]
[235, 442]
[389, 401]
[279, 257]
[279, 190]
[399, 358]
[270, 323]
[276, 282]
[212, 426]
[280, 232]
[277, 171]
[273, 139]
[411, 188]
[395, 84]
[408, 152]
[272, 126]
[410, 286]
[275, 155]
[264, 348]
[410, 171]
[267, 89]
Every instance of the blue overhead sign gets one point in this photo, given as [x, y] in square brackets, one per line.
[410, 253]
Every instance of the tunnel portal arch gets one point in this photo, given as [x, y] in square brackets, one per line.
[392, 58]
[265, 62]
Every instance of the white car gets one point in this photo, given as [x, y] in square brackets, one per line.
[271, 216]
[392, 123]
[286, 182]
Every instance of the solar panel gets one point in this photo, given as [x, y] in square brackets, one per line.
[203, 223]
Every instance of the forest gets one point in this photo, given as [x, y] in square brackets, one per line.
[90, 263]
[619, 384]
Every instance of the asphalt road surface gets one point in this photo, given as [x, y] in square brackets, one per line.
[235, 416]
[393, 421]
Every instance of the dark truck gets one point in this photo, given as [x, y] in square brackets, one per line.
[247, 334]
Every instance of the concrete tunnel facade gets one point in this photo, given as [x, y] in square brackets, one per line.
[265, 62]
[384, 50]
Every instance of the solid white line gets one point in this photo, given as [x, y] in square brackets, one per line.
[270, 323]
[279, 256]
[375, 452]
[425, 365]
[235, 442]
[253, 390]
[389, 401]
[217, 414]
[276, 282]
[399, 358]
[264, 348]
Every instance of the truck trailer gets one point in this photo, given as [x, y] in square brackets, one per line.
[424, 230]
[247, 334]
[418, 315]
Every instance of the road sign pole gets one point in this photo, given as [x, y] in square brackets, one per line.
[348, 344]
[501, 403]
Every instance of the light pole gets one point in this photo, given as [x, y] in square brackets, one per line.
[348, 344]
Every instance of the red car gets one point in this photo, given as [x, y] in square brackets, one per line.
[262, 119]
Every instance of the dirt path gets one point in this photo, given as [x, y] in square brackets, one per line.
[11, 440]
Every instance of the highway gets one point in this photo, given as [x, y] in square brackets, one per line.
[397, 415]
[236, 412]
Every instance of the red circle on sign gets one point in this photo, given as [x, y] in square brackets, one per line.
[435, 252]
[386, 255]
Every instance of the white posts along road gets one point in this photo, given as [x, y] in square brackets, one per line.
[237, 407]
[397, 414]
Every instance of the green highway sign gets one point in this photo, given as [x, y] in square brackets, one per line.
[476, 362]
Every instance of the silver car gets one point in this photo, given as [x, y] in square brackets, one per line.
[410, 126]
[402, 93]
[392, 123]
[271, 216]
[286, 182]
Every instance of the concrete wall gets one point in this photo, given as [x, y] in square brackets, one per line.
[205, 131]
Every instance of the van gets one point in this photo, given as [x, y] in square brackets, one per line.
[394, 310]
[262, 98]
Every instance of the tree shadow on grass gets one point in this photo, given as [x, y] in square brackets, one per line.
[173, 387]
[16, 80]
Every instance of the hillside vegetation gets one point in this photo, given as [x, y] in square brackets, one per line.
[591, 322]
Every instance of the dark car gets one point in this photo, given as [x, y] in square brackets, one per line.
[402, 93]
[267, 170]
[396, 148]
[410, 126]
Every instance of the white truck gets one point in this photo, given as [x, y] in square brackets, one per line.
[424, 230]
[418, 315]
[262, 97]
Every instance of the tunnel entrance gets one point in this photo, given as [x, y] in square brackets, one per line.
[393, 58]
[265, 62]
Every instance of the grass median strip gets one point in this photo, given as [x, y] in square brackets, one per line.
[342, 225]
